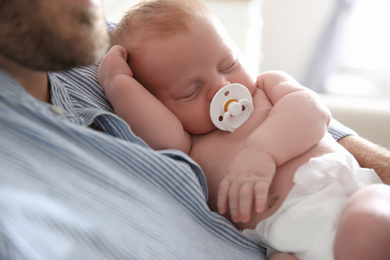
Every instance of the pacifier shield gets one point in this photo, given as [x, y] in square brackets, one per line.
[230, 107]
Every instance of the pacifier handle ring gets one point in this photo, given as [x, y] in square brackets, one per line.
[246, 112]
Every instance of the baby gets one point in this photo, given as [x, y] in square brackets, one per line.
[279, 176]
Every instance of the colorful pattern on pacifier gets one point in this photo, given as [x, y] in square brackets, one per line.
[231, 107]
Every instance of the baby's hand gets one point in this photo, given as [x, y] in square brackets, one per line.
[247, 181]
[113, 64]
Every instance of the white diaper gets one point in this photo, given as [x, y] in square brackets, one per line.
[306, 222]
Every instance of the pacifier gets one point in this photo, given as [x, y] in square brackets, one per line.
[230, 107]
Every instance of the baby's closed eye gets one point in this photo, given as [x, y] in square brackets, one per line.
[191, 91]
[228, 66]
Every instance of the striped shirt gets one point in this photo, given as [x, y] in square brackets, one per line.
[70, 192]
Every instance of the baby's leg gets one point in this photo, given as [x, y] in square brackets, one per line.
[364, 228]
[283, 256]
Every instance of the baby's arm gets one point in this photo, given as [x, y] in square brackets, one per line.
[296, 122]
[146, 115]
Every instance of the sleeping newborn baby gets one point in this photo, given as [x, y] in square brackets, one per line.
[276, 173]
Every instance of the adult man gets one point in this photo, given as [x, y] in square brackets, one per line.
[70, 192]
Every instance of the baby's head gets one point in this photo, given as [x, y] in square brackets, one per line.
[156, 18]
[182, 54]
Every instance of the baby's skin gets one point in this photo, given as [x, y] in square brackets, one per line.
[222, 147]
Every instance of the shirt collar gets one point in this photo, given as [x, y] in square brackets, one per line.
[13, 93]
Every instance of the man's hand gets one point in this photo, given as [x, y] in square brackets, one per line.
[246, 183]
[369, 155]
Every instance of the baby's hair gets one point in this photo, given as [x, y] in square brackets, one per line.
[156, 18]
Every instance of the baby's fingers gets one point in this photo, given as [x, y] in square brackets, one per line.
[228, 194]
[261, 194]
[234, 200]
[241, 197]
[223, 195]
[246, 201]
[118, 50]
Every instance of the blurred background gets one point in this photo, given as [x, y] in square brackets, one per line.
[339, 48]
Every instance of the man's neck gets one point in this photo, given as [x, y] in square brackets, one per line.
[34, 82]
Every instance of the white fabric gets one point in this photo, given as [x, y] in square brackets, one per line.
[306, 222]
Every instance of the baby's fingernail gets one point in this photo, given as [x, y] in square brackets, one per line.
[260, 209]
[244, 220]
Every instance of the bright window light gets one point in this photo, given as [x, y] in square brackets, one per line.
[365, 62]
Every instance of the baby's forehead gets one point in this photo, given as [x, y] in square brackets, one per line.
[161, 18]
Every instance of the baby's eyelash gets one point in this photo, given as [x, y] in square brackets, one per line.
[230, 66]
[192, 93]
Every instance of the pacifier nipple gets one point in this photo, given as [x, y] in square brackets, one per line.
[231, 107]
[234, 108]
